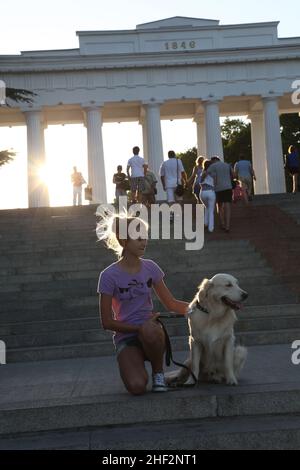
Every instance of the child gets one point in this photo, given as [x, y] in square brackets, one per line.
[126, 306]
[239, 193]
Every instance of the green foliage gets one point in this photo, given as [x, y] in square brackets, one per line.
[19, 95]
[290, 131]
[188, 159]
[236, 136]
[6, 156]
[290, 135]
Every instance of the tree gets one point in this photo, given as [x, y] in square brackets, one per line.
[236, 136]
[19, 96]
[290, 135]
[290, 131]
[188, 159]
[6, 156]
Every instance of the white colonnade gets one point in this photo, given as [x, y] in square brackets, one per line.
[273, 145]
[37, 190]
[266, 146]
[96, 165]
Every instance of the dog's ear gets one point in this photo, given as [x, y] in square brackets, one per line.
[203, 290]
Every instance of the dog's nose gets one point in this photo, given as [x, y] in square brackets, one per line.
[244, 295]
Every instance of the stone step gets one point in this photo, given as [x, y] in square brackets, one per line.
[117, 410]
[63, 281]
[61, 255]
[35, 305]
[15, 270]
[271, 313]
[69, 336]
[34, 300]
[102, 347]
[91, 271]
[235, 433]
[90, 244]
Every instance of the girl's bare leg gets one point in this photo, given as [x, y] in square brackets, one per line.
[131, 362]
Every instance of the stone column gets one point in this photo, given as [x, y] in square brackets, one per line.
[96, 165]
[275, 164]
[38, 195]
[214, 146]
[259, 158]
[155, 145]
[201, 134]
[145, 139]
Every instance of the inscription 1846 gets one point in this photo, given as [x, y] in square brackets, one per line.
[177, 45]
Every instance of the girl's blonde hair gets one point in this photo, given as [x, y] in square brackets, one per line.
[200, 160]
[109, 230]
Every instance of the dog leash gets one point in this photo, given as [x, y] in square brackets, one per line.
[169, 353]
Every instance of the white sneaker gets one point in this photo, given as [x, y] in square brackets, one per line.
[158, 383]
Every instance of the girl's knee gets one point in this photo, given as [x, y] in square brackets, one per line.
[137, 386]
[151, 332]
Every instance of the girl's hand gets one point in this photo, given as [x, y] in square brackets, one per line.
[155, 315]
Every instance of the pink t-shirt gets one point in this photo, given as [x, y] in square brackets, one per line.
[131, 293]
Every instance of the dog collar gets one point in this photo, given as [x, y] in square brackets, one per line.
[199, 307]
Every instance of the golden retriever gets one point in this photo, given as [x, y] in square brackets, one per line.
[211, 318]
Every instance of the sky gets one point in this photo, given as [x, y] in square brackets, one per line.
[53, 25]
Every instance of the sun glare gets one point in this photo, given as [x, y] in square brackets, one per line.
[44, 175]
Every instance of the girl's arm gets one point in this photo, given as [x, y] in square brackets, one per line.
[192, 177]
[168, 300]
[108, 323]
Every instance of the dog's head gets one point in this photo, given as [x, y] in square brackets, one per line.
[221, 289]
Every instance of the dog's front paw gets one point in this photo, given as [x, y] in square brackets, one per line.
[190, 381]
[231, 380]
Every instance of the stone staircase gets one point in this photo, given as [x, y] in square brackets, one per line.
[49, 266]
[50, 262]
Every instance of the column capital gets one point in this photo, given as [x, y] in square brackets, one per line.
[212, 99]
[35, 112]
[152, 103]
[271, 96]
[28, 109]
[199, 118]
[255, 115]
[92, 106]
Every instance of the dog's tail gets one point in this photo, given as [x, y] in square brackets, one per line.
[240, 356]
[178, 376]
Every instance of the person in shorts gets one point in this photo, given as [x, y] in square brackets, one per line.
[126, 306]
[136, 165]
[244, 173]
[223, 175]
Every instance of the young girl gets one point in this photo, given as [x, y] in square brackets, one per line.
[208, 197]
[126, 306]
[196, 177]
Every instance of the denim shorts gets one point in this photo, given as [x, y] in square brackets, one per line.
[131, 341]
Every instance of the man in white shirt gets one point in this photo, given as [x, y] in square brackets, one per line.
[137, 166]
[172, 174]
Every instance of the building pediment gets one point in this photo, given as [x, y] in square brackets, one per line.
[178, 34]
[178, 22]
